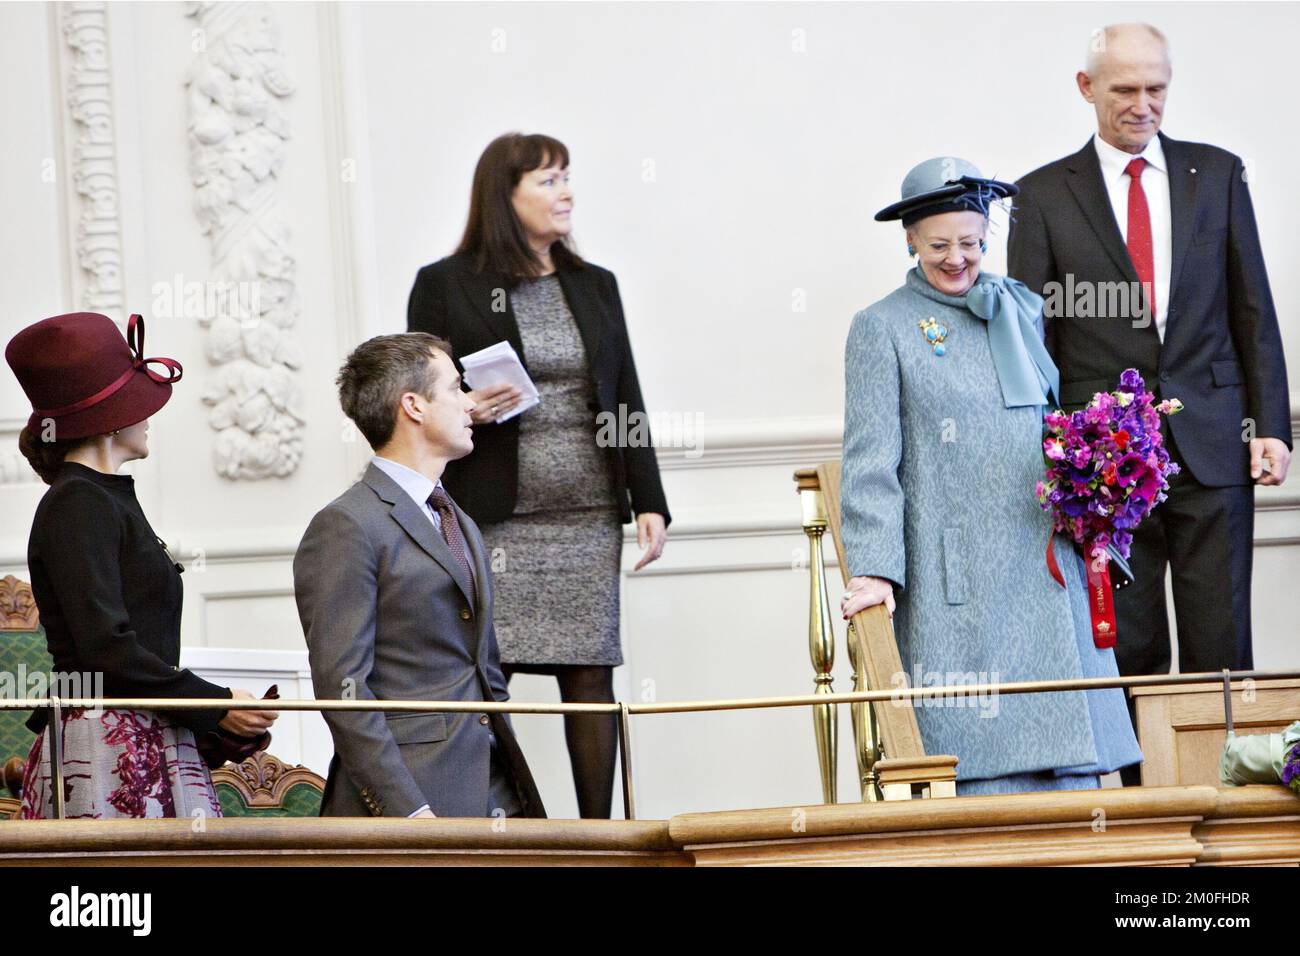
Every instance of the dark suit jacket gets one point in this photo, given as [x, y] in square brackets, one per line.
[452, 301]
[1222, 353]
[385, 607]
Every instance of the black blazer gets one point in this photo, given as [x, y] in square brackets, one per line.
[110, 595]
[452, 301]
[1222, 353]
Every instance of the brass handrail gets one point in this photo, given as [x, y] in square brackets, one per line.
[678, 707]
[625, 710]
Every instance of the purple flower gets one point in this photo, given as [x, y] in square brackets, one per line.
[1129, 469]
[1074, 505]
[1106, 465]
[1291, 768]
[1131, 381]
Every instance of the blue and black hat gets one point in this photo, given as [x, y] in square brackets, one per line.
[945, 184]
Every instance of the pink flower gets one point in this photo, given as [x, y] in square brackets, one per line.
[1169, 406]
[1105, 465]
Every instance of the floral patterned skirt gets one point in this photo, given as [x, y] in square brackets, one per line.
[120, 763]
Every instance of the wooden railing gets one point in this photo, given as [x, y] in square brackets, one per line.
[1133, 826]
[891, 758]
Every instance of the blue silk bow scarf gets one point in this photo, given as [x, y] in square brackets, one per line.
[1026, 372]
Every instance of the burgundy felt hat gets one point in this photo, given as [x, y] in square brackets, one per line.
[80, 373]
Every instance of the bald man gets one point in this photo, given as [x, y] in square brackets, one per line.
[1146, 251]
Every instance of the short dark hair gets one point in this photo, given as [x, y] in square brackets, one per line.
[494, 238]
[379, 372]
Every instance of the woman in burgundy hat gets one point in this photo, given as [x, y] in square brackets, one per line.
[109, 594]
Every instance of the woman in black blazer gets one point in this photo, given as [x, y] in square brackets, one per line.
[548, 487]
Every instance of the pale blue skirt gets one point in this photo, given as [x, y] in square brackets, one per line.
[1112, 730]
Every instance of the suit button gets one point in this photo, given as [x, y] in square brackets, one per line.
[483, 719]
[464, 614]
[1164, 376]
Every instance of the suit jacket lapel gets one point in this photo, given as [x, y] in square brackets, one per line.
[417, 524]
[585, 306]
[479, 560]
[1090, 191]
[486, 290]
[1182, 206]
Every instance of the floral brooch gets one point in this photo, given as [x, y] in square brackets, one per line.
[935, 333]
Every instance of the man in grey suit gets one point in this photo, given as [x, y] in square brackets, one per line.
[395, 597]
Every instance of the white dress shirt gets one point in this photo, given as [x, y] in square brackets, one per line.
[419, 487]
[1155, 183]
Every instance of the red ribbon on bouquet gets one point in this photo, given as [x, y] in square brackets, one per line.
[1101, 604]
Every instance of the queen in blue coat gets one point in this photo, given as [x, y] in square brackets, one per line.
[947, 381]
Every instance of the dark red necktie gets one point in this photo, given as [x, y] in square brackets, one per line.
[451, 533]
[1140, 246]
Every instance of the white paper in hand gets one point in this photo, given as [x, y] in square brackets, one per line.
[499, 364]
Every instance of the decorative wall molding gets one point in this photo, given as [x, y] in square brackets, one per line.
[237, 85]
[743, 443]
[346, 150]
[755, 513]
[84, 66]
[782, 441]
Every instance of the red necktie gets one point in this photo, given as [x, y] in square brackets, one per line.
[1140, 248]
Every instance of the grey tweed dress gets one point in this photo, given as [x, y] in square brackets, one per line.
[555, 561]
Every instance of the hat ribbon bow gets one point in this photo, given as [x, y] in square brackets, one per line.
[134, 339]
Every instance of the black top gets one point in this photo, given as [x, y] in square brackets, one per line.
[109, 594]
[469, 309]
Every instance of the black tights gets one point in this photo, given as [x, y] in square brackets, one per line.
[592, 738]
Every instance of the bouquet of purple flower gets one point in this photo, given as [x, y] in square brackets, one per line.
[1107, 467]
[1291, 768]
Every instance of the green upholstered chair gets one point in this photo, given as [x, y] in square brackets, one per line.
[22, 651]
[263, 786]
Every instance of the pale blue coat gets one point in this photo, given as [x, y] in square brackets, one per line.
[938, 497]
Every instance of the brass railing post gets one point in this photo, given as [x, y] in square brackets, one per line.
[821, 640]
[625, 749]
[865, 732]
[56, 756]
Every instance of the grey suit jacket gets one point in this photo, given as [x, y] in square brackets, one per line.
[386, 612]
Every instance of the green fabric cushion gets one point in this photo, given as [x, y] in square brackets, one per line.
[301, 800]
[20, 652]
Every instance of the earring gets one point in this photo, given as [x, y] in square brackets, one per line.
[114, 431]
[911, 251]
[984, 246]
